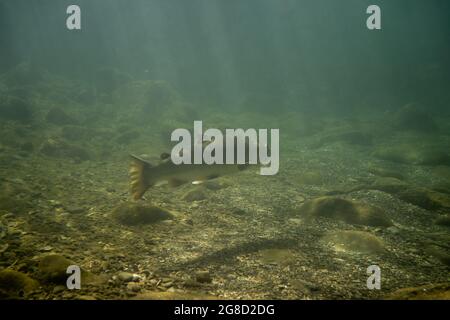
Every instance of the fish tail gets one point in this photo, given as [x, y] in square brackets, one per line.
[139, 173]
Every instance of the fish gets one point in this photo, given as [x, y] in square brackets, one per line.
[144, 175]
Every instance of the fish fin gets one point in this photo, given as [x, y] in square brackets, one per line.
[176, 182]
[139, 183]
[196, 182]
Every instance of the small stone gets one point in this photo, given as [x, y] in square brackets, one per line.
[128, 277]
[194, 195]
[75, 209]
[203, 277]
[59, 289]
[134, 287]
[134, 214]
[14, 284]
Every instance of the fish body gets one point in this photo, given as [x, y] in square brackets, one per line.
[144, 175]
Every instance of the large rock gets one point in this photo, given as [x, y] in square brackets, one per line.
[355, 241]
[345, 210]
[439, 291]
[414, 153]
[12, 108]
[14, 284]
[53, 268]
[136, 214]
[413, 118]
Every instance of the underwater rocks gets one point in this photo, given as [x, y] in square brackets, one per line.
[58, 116]
[194, 195]
[56, 148]
[167, 295]
[133, 214]
[277, 256]
[12, 108]
[421, 197]
[415, 154]
[14, 284]
[443, 221]
[128, 277]
[203, 277]
[14, 197]
[53, 268]
[441, 253]
[385, 172]
[412, 118]
[355, 241]
[440, 291]
[345, 210]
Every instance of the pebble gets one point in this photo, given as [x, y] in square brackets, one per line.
[128, 277]
[203, 277]
[59, 289]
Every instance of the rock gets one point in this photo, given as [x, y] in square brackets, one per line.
[440, 291]
[203, 277]
[345, 210]
[75, 209]
[303, 286]
[443, 221]
[134, 287]
[278, 256]
[438, 252]
[386, 173]
[357, 241]
[425, 198]
[53, 268]
[135, 214]
[194, 195]
[85, 297]
[128, 277]
[14, 284]
[12, 108]
[58, 116]
[414, 153]
[389, 185]
[61, 149]
[214, 185]
[413, 118]
[167, 295]
[58, 289]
